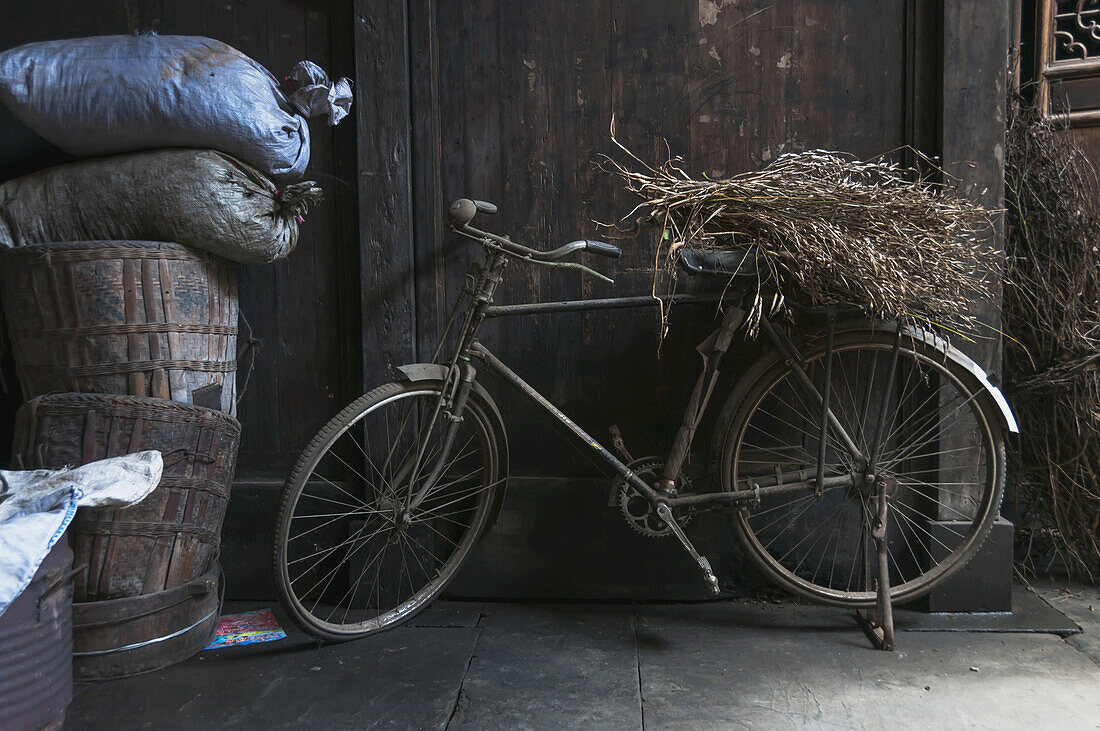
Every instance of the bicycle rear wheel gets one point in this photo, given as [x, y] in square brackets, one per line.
[942, 462]
[351, 558]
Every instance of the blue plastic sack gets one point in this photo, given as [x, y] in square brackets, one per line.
[112, 94]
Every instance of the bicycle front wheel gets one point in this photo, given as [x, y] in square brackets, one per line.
[942, 464]
[353, 555]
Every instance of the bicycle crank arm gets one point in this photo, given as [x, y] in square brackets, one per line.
[666, 515]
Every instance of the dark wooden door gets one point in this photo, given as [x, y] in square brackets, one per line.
[512, 102]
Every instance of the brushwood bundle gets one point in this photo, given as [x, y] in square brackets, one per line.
[834, 229]
[1052, 359]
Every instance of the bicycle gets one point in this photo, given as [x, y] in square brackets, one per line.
[389, 498]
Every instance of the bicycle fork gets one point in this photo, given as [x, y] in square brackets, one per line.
[481, 283]
[452, 413]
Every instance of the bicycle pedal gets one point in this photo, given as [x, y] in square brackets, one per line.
[708, 575]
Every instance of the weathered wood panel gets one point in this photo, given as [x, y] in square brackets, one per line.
[974, 81]
[385, 207]
[513, 103]
[974, 78]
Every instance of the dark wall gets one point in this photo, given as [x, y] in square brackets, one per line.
[302, 311]
[512, 102]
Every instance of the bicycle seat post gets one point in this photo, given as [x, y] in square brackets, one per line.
[712, 349]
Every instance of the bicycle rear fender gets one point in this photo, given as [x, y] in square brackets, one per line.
[414, 372]
[1008, 420]
[956, 355]
[992, 393]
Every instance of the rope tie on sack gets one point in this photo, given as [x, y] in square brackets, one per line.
[314, 95]
[252, 345]
[294, 200]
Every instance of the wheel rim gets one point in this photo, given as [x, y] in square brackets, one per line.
[354, 559]
[820, 546]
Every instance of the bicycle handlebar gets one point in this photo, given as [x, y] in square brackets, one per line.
[463, 210]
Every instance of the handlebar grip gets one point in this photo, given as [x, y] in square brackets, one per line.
[603, 249]
[485, 207]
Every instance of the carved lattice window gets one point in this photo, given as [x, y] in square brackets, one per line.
[1069, 60]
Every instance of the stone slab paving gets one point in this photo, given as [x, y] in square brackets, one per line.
[1081, 603]
[407, 678]
[693, 666]
[552, 666]
[793, 667]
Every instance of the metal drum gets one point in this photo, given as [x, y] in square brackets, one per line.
[36, 648]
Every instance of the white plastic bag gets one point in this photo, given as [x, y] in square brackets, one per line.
[36, 506]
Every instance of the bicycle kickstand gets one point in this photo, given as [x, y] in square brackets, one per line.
[708, 574]
[879, 626]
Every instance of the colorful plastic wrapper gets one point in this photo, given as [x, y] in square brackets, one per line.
[247, 628]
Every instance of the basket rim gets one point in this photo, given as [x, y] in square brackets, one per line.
[83, 400]
[112, 249]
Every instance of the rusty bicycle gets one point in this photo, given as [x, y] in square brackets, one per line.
[814, 440]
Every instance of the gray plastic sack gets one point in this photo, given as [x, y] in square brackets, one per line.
[199, 198]
[112, 94]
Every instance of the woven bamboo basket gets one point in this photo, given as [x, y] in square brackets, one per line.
[170, 537]
[143, 318]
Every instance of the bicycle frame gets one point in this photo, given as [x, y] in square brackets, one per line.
[481, 284]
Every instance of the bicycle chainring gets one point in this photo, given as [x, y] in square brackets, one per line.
[638, 511]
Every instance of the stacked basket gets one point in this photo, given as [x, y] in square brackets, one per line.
[125, 334]
[120, 347]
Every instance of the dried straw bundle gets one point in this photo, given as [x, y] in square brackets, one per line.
[1052, 312]
[835, 229]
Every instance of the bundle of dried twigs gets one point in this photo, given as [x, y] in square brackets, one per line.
[1052, 313]
[835, 229]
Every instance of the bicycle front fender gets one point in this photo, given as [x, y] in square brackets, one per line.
[414, 372]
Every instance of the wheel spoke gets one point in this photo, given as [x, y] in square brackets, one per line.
[324, 479]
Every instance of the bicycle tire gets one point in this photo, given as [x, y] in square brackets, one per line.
[472, 517]
[927, 568]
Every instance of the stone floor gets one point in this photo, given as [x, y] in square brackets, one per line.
[697, 666]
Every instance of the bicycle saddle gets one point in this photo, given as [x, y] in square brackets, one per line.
[725, 263]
